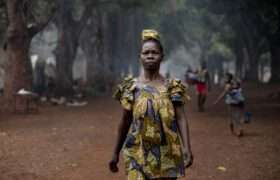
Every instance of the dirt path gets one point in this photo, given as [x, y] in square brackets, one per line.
[63, 143]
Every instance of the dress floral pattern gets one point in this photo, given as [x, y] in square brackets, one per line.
[152, 148]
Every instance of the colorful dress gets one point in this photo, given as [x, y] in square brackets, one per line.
[201, 84]
[234, 95]
[152, 148]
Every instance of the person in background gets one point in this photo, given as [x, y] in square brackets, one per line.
[191, 77]
[153, 132]
[235, 101]
[50, 88]
[39, 77]
[203, 86]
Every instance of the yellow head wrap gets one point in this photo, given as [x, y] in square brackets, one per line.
[150, 34]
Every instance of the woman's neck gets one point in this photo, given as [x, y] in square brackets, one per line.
[151, 76]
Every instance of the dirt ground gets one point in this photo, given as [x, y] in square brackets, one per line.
[68, 143]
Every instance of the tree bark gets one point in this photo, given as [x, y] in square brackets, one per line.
[18, 69]
[18, 72]
[239, 61]
[65, 54]
[88, 44]
[275, 63]
[69, 31]
[252, 73]
[274, 44]
[253, 53]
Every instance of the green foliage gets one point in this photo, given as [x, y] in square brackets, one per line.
[187, 23]
[219, 48]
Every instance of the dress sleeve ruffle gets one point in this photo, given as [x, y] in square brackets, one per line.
[124, 93]
[177, 92]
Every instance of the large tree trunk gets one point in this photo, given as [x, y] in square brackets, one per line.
[136, 28]
[93, 45]
[65, 51]
[275, 63]
[110, 70]
[69, 31]
[18, 72]
[65, 54]
[252, 73]
[239, 64]
[101, 69]
[88, 46]
[104, 75]
[253, 43]
[274, 43]
[123, 43]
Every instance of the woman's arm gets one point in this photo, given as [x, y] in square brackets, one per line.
[183, 125]
[227, 87]
[121, 136]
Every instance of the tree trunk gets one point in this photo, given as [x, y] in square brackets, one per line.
[137, 27]
[275, 63]
[110, 29]
[239, 61]
[274, 44]
[88, 45]
[252, 73]
[104, 78]
[65, 55]
[69, 31]
[18, 72]
[123, 46]
[66, 49]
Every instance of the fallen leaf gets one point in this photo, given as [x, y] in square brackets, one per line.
[222, 168]
[74, 165]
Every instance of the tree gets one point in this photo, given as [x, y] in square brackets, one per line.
[268, 20]
[3, 20]
[22, 27]
[69, 29]
[258, 22]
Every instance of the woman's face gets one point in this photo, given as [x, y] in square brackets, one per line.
[151, 56]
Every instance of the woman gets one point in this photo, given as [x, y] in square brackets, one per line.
[154, 123]
[191, 77]
[202, 87]
[235, 101]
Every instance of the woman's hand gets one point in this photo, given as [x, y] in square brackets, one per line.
[113, 164]
[188, 159]
[184, 133]
[122, 132]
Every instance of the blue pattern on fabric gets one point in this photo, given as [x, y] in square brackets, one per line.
[130, 141]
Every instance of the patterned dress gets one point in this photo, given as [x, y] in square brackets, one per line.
[152, 148]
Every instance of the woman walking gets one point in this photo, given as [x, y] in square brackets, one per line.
[235, 102]
[153, 132]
